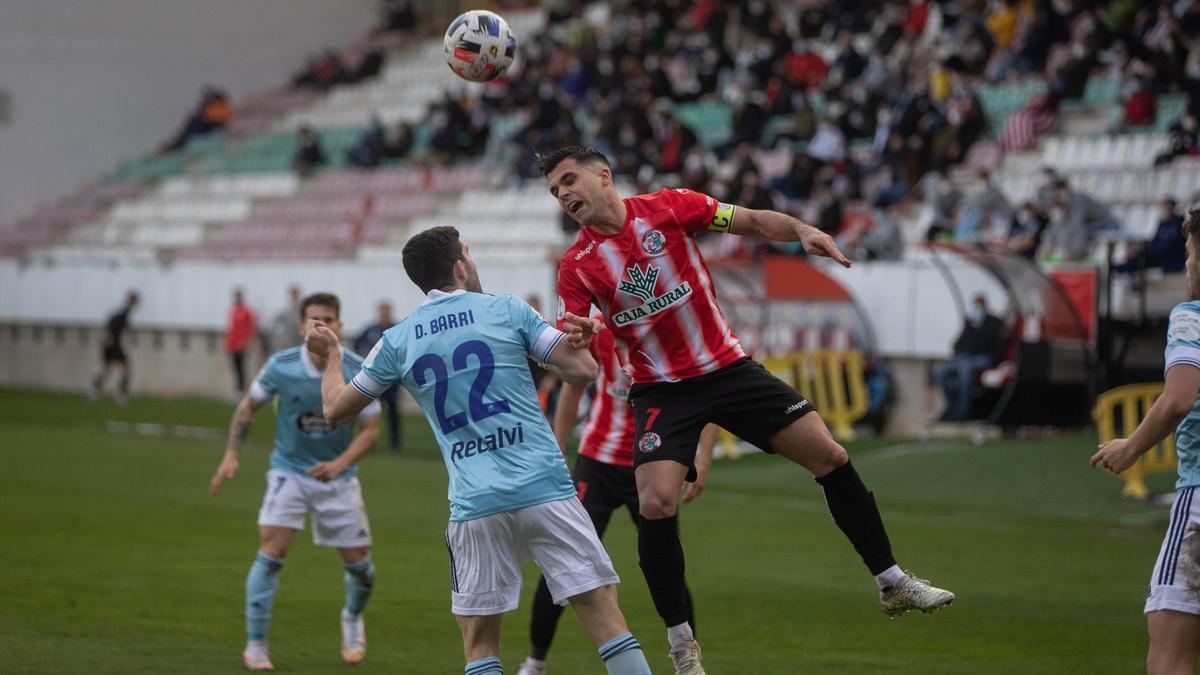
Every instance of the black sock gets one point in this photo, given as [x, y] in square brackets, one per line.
[544, 621]
[853, 509]
[661, 560]
[691, 608]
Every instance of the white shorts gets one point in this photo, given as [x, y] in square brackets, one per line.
[338, 515]
[486, 556]
[1175, 584]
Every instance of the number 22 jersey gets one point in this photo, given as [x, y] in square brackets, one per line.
[462, 357]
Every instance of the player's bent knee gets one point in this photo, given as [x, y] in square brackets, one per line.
[351, 556]
[835, 456]
[654, 505]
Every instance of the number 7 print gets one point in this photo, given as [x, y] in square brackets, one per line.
[652, 414]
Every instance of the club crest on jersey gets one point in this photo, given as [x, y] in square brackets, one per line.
[649, 442]
[654, 242]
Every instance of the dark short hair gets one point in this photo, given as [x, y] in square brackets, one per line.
[1191, 225]
[323, 300]
[580, 153]
[429, 257]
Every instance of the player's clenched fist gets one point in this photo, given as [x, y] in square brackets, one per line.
[319, 339]
[1115, 455]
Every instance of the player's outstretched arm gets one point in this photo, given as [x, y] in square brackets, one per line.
[239, 431]
[360, 445]
[778, 226]
[575, 365]
[1178, 397]
[340, 403]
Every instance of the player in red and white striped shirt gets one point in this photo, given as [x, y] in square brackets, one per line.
[603, 474]
[637, 260]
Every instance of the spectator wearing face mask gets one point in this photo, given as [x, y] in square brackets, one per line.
[1076, 219]
[1165, 251]
[1025, 233]
[977, 348]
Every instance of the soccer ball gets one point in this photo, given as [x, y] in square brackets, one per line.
[479, 45]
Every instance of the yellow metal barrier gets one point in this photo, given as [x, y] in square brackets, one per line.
[1134, 401]
[834, 381]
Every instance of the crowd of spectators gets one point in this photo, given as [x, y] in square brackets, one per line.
[873, 102]
[866, 105]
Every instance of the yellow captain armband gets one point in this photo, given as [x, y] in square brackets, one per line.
[722, 220]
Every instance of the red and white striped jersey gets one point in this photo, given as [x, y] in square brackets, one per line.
[652, 286]
[608, 436]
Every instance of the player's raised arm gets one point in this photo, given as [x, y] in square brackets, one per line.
[340, 402]
[778, 226]
[1178, 397]
[239, 431]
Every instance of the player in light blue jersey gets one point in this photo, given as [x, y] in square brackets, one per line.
[312, 471]
[1173, 603]
[462, 355]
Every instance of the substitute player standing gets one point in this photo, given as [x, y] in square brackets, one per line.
[603, 473]
[1173, 605]
[462, 355]
[637, 260]
[312, 471]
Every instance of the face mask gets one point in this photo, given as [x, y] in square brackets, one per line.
[975, 314]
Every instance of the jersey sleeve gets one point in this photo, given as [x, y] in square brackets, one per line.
[539, 337]
[380, 370]
[1183, 337]
[266, 384]
[573, 296]
[697, 211]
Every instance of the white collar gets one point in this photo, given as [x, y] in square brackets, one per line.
[310, 368]
[435, 295]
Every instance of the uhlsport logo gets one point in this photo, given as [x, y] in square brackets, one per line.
[649, 442]
[654, 242]
[799, 405]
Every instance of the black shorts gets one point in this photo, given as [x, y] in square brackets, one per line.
[604, 487]
[742, 398]
[114, 354]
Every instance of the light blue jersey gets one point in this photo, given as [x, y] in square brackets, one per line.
[1183, 348]
[302, 436]
[463, 358]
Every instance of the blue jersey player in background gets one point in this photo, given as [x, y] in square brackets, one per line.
[1173, 603]
[312, 471]
[462, 355]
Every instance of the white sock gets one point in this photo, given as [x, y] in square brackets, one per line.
[534, 662]
[890, 577]
[679, 635]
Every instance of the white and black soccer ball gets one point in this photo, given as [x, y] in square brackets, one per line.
[479, 45]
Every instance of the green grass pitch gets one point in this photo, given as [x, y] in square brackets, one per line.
[115, 560]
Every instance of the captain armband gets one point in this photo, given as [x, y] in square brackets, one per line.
[722, 220]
